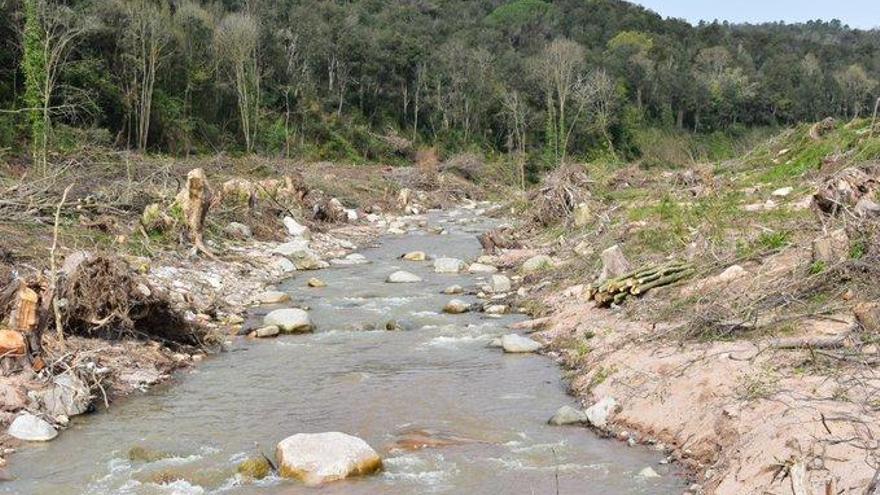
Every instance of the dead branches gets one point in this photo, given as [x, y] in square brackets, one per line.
[561, 192]
[638, 282]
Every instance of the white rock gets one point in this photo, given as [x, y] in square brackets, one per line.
[567, 415]
[289, 320]
[319, 458]
[402, 277]
[351, 259]
[32, 429]
[648, 472]
[352, 215]
[67, 396]
[396, 231]
[514, 343]
[272, 297]
[500, 283]
[453, 289]
[295, 229]
[481, 268]
[599, 412]
[614, 263]
[289, 248]
[267, 331]
[448, 265]
[282, 264]
[496, 309]
[782, 192]
[415, 256]
[456, 307]
[306, 259]
[537, 263]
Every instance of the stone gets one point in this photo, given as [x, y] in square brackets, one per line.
[295, 229]
[614, 263]
[599, 412]
[12, 343]
[831, 248]
[318, 458]
[403, 198]
[537, 263]
[290, 320]
[291, 247]
[648, 472]
[66, 396]
[316, 283]
[448, 265]
[513, 343]
[140, 453]
[237, 230]
[351, 259]
[782, 192]
[482, 268]
[456, 307]
[402, 277]
[499, 283]
[267, 332]
[306, 259]
[255, 468]
[351, 215]
[495, 343]
[567, 415]
[415, 256]
[394, 326]
[11, 398]
[582, 215]
[272, 297]
[453, 289]
[282, 264]
[496, 309]
[32, 429]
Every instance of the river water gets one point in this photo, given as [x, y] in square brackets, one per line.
[438, 379]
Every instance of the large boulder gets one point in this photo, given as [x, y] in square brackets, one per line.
[448, 265]
[515, 344]
[32, 429]
[567, 415]
[402, 277]
[317, 458]
[66, 396]
[537, 263]
[614, 263]
[290, 320]
[500, 283]
[295, 229]
[599, 412]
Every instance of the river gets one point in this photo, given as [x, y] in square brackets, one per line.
[437, 378]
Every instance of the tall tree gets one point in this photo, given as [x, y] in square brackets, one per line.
[558, 69]
[236, 44]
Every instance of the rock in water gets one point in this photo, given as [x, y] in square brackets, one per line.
[415, 256]
[290, 320]
[496, 309]
[567, 415]
[67, 396]
[453, 289]
[319, 458]
[481, 268]
[537, 263]
[514, 343]
[295, 229]
[599, 412]
[402, 277]
[306, 259]
[32, 429]
[456, 307]
[614, 263]
[648, 472]
[500, 283]
[316, 283]
[272, 297]
[448, 265]
[267, 331]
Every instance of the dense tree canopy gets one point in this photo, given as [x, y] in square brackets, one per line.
[333, 78]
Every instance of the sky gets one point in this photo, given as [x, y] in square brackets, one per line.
[864, 14]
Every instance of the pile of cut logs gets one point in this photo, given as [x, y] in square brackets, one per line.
[637, 282]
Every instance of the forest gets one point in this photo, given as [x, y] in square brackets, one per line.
[361, 80]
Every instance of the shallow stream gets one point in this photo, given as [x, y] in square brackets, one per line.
[438, 379]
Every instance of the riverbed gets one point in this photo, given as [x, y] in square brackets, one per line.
[436, 379]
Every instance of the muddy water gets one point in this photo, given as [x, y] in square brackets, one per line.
[436, 379]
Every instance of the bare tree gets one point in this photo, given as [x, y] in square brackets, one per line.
[515, 109]
[235, 42]
[146, 43]
[51, 31]
[596, 96]
[558, 69]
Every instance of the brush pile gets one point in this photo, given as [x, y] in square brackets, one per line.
[637, 282]
[560, 193]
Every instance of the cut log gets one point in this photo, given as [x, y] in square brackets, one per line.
[23, 318]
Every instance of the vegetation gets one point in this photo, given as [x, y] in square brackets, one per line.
[546, 80]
